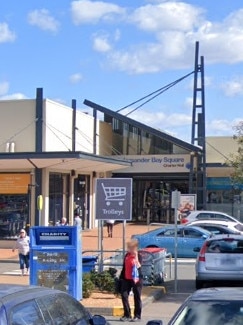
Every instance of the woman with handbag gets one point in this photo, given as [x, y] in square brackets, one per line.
[23, 246]
[131, 279]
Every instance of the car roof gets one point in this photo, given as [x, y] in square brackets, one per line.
[13, 289]
[224, 236]
[210, 211]
[173, 227]
[218, 294]
[213, 222]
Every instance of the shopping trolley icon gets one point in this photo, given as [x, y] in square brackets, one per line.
[114, 193]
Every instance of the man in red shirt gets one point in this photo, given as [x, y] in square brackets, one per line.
[131, 277]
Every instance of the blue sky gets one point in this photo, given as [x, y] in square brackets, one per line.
[114, 52]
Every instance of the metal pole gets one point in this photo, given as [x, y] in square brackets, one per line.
[124, 238]
[175, 253]
[101, 246]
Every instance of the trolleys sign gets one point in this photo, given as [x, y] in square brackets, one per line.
[114, 198]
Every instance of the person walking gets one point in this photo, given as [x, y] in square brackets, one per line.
[110, 225]
[23, 246]
[77, 220]
[131, 279]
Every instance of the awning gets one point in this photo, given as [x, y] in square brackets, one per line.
[61, 161]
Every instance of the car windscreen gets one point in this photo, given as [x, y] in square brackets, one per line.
[226, 245]
[211, 312]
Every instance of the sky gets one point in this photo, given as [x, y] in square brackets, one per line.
[115, 52]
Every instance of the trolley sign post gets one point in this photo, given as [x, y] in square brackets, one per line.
[113, 202]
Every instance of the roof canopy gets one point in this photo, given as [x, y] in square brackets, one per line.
[61, 161]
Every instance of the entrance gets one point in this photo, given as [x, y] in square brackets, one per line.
[82, 199]
[152, 199]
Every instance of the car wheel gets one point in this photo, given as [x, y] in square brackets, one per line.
[199, 284]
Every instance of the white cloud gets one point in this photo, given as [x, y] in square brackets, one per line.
[4, 87]
[13, 96]
[101, 43]
[222, 127]
[6, 35]
[43, 19]
[75, 78]
[233, 87]
[87, 11]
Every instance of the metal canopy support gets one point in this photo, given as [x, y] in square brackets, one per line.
[198, 173]
[74, 116]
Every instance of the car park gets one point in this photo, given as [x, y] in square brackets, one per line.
[30, 305]
[220, 259]
[206, 215]
[188, 238]
[218, 227]
[216, 306]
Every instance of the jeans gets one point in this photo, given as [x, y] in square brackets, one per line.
[24, 261]
[126, 287]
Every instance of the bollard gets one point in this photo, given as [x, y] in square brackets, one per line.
[152, 274]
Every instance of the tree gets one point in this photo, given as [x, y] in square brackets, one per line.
[236, 160]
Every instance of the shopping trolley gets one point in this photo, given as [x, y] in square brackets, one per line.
[114, 193]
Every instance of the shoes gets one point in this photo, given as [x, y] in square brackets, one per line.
[125, 319]
[135, 319]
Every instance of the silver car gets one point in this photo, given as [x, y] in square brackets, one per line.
[206, 215]
[220, 259]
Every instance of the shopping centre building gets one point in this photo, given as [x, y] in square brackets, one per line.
[58, 152]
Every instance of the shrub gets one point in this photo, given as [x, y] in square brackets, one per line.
[88, 285]
[104, 281]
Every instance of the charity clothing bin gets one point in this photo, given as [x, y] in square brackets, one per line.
[153, 265]
[89, 262]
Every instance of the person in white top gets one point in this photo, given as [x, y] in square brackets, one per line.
[23, 246]
[109, 225]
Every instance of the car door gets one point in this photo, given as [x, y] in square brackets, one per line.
[166, 239]
[192, 238]
[63, 309]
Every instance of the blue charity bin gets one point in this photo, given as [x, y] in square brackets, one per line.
[89, 262]
[55, 259]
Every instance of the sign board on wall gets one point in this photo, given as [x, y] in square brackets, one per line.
[188, 203]
[157, 164]
[114, 198]
[14, 183]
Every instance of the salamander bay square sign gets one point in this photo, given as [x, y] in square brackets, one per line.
[114, 198]
[175, 163]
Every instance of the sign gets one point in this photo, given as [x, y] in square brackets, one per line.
[157, 164]
[175, 200]
[52, 257]
[14, 183]
[55, 279]
[188, 203]
[114, 198]
[222, 184]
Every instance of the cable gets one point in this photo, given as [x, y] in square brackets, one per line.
[210, 145]
[156, 91]
[57, 137]
[20, 131]
[164, 89]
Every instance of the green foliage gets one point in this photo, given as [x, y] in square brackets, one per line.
[88, 285]
[236, 160]
[104, 281]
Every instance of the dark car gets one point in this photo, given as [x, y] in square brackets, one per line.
[216, 306]
[30, 305]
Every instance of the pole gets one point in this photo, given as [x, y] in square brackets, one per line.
[175, 253]
[101, 245]
[124, 238]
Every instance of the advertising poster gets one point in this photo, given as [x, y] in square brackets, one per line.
[188, 203]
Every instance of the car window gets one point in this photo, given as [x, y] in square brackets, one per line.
[221, 217]
[27, 313]
[192, 233]
[214, 230]
[211, 312]
[170, 233]
[228, 245]
[204, 215]
[64, 310]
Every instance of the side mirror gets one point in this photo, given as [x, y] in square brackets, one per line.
[155, 322]
[98, 320]
[204, 236]
[196, 249]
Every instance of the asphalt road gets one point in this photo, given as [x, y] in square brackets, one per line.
[167, 305]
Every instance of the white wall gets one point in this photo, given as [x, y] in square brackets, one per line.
[17, 124]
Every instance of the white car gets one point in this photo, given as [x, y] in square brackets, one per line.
[207, 215]
[231, 225]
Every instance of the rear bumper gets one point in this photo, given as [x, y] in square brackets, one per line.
[214, 276]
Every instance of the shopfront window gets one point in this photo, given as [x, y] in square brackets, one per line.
[58, 197]
[13, 214]
[152, 199]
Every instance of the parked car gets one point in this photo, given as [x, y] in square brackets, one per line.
[220, 259]
[21, 305]
[164, 237]
[218, 227]
[216, 306]
[207, 215]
